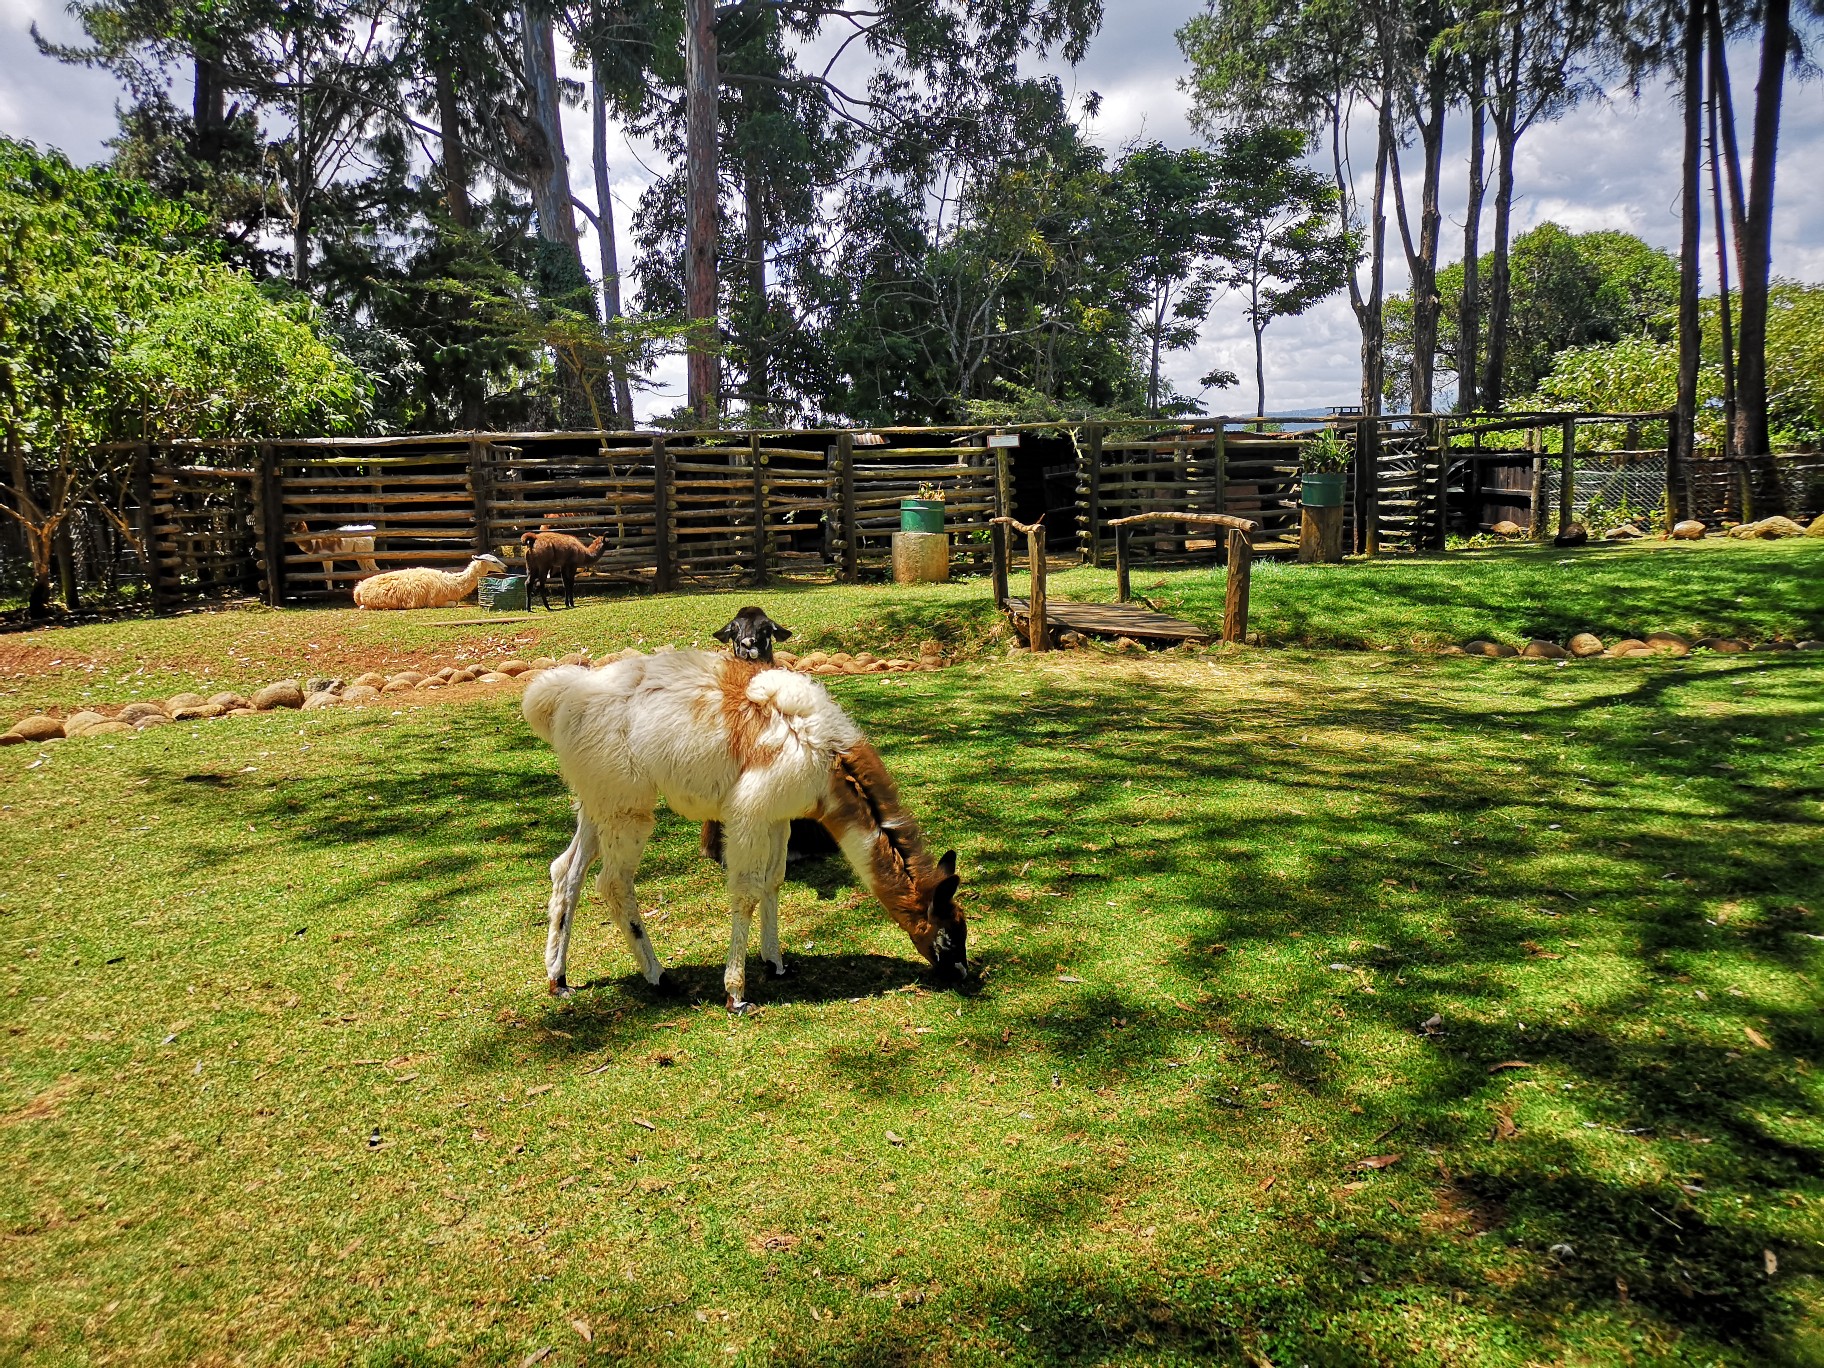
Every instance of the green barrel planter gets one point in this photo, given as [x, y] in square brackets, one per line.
[1322, 489]
[921, 515]
[503, 594]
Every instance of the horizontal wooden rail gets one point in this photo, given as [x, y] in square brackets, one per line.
[1241, 561]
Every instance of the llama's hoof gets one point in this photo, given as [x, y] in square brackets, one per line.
[737, 1007]
[782, 970]
[666, 984]
[560, 986]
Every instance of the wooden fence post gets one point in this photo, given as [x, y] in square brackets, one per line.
[1441, 428]
[1677, 499]
[1222, 468]
[147, 520]
[1535, 443]
[1567, 474]
[1368, 461]
[272, 524]
[481, 489]
[757, 462]
[851, 534]
[1092, 486]
[1235, 603]
[1003, 484]
[1036, 636]
[664, 566]
[1122, 589]
[997, 533]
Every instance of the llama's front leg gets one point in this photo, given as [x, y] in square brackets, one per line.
[567, 873]
[623, 842]
[329, 582]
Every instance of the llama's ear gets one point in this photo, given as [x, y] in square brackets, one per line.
[947, 864]
[943, 897]
[781, 633]
[726, 633]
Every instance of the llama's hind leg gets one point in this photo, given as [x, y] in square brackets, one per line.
[567, 874]
[623, 842]
[756, 867]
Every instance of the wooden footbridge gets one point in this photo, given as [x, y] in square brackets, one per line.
[1040, 615]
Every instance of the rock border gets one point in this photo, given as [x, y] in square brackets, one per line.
[1589, 646]
[314, 694]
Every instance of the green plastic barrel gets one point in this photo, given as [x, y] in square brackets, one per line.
[1322, 490]
[921, 515]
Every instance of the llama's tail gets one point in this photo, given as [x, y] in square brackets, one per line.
[546, 694]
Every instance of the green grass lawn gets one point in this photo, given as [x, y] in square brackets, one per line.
[281, 1083]
[1511, 594]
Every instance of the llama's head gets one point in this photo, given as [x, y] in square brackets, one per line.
[750, 634]
[489, 558]
[941, 934]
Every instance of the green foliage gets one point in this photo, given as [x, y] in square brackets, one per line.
[1325, 454]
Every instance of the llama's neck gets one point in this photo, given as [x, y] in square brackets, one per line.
[471, 577]
[878, 837]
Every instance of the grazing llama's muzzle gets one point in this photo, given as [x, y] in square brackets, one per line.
[943, 936]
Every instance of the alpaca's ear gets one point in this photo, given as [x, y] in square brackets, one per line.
[726, 633]
[947, 865]
[781, 633]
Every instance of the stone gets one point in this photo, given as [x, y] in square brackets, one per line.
[900, 666]
[286, 693]
[110, 727]
[134, 711]
[1128, 644]
[1767, 529]
[446, 674]
[1574, 535]
[827, 668]
[784, 659]
[629, 653]
[841, 658]
[1626, 532]
[322, 684]
[319, 700]
[360, 693]
[77, 724]
[929, 649]
[157, 719]
[864, 658]
[200, 713]
[1811, 646]
[493, 677]
[183, 700]
[229, 700]
[512, 667]
[1069, 641]
[11, 738]
[1776, 645]
[1816, 527]
[242, 712]
[921, 557]
[1452, 651]
[433, 682]
[1688, 530]
[1622, 647]
[372, 679]
[1639, 651]
[1584, 645]
[1504, 528]
[813, 660]
[1669, 643]
[574, 658]
[1478, 647]
[408, 677]
[1539, 649]
[1501, 650]
[396, 686]
[543, 662]
[465, 675]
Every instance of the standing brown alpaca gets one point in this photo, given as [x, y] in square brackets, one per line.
[548, 551]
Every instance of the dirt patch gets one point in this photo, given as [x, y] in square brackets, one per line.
[42, 1107]
[1459, 1213]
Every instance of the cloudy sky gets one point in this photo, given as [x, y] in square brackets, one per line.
[1612, 165]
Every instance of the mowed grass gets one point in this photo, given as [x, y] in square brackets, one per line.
[281, 1083]
[1511, 594]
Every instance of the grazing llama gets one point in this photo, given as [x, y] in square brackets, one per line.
[351, 541]
[548, 551]
[424, 588]
[728, 741]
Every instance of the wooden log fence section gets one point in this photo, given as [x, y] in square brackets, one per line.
[1038, 635]
[684, 509]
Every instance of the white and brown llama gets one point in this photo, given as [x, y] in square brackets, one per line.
[351, 541]
[744, 745]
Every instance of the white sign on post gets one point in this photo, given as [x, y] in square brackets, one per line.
[1003, 439]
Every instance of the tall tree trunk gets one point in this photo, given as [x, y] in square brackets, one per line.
[1374, 338]
[604, 236]
[759, 373]
[1500, 298]
[207, 104]
[1722, 273]
[1152, 375]
[1470, 309]
[455, 151]
[1757, 247]
[701, 82]
[1426, 304]
[1690, 234]
[551, 176]
[1260, 369]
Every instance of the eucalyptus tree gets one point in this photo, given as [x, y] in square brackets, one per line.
[1301, 66]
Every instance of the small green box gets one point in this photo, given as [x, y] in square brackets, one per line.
[503, 594]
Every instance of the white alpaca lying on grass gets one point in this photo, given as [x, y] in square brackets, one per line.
[750, 747]
[424, 588]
